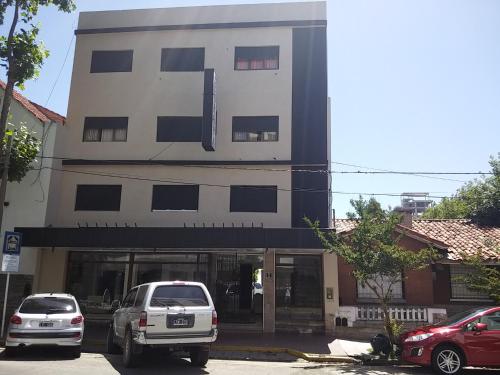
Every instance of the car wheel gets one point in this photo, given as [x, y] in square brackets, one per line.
[447, 360]
[130, 350]
[10, 351]
[76, 351]
[111, 347]
[199, 357]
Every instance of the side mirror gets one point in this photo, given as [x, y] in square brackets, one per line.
[479, 327]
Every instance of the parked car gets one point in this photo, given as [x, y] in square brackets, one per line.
[177, 315]
[470, 338]
[46, 320]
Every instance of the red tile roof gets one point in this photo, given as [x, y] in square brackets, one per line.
[456, 235]
[462, 235]
[41, 113]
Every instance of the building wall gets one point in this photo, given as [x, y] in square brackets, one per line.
[27, 200]
[418, 285]
[330, 280]
[51, 275]
[146, 93]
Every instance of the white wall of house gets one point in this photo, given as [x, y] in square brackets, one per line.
[28, 199]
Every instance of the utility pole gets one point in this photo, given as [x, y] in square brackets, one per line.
[3, 191]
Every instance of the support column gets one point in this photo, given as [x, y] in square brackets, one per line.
[331, 290]
[269, 288]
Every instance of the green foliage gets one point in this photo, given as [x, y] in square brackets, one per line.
[24, 150]
[478, 200]
[373, 249]
[482, 278]
[28, 55]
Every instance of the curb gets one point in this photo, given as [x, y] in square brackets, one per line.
[310, 357]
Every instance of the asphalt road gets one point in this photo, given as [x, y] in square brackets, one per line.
[97, 364]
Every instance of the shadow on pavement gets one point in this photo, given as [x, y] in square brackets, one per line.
[40, 354]
[156, 362]
[383, 370]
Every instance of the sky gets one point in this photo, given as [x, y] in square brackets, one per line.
[415, 86]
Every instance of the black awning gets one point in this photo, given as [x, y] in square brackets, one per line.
[171, 237]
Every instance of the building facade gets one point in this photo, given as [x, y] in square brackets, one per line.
[26, 202]
[197, 141]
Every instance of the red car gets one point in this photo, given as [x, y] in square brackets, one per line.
[470, 338]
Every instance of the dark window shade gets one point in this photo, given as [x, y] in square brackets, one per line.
[111, 61]
[256, 124]
[106, 123]
[179, 129]
[175, 197]
[98, 197]
[254, 198]
[270, 52]
[182, 59]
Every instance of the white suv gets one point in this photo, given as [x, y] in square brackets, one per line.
[179, 315]
[46, 320]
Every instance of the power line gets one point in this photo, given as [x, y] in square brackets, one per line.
[60, 71]
[184, 182]
[372, 171]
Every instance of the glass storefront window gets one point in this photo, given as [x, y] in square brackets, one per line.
[298, 287]
[97, 286]
[170, 258]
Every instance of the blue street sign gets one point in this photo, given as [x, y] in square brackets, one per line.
[12, 243]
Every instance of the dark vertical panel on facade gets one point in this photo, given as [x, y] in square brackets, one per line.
[178, 129]
[209, 126]
[309, 126]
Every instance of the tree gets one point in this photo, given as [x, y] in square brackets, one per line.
[478, 200]
[25, 147]
[20, 53]
[372, 248]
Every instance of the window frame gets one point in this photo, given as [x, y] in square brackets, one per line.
[93, 122]
[242, 48]
[243, 119]
[82, 186]
[175, 209]
[164, 53]
[232, 199]
[199, 125]
[468, 294]
[96, 52]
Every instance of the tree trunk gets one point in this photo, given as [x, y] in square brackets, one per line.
[9, 87]
[387, 323]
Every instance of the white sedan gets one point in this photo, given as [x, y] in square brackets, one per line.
[46, 320]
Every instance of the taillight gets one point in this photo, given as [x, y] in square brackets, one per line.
[143, 320]
[14, 319]
[214, 318]
[77, 319]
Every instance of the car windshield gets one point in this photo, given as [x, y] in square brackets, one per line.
[47, 305]
[460, 317]
[178, 295]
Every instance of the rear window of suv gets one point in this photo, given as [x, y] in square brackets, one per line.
[48, 305]
[178, 295]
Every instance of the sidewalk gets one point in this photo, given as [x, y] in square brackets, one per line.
[287, 347]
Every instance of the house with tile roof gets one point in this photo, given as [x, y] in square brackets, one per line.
[26, 202]
[428, 292]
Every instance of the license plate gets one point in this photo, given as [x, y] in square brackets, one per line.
[46, 324]
[180, 322]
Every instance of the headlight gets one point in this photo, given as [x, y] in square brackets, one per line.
[418, 337]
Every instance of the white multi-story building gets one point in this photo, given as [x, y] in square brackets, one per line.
[197, 141]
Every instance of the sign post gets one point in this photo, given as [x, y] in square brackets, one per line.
[10, 263]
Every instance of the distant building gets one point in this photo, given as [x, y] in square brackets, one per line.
[417, 202]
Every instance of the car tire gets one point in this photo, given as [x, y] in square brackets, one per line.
[447, 360]
[10, 351]
[75, 351]
[130, 350]
[111, 347]
[199, 357]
